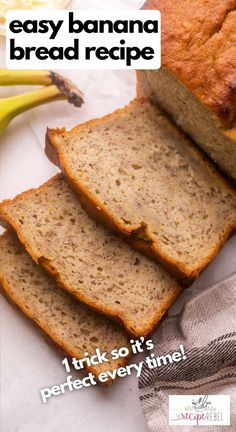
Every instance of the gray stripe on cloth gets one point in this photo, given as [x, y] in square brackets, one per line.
[206, 328]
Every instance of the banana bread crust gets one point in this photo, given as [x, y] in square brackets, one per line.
[198, 47]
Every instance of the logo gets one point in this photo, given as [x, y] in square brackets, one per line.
[199, 410]
[201, 404]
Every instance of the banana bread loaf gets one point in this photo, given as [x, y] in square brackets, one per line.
[196, 84]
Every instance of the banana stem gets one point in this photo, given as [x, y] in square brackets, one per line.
[25, 77]
[15, 105]
[56, 87]
[16, 77]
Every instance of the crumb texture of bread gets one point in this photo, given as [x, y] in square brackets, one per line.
[196, 83]
[71, 325]
[145, 176]
[89, 261]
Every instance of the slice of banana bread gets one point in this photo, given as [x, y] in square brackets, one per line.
[89, 261]
[73, 328]
[137, 172]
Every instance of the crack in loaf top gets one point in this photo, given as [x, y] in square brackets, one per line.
[199, 47]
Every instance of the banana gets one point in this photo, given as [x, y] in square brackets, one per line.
[56, 88]
[12, 106]
[25, 77]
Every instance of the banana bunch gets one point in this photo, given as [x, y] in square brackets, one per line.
[56, 87]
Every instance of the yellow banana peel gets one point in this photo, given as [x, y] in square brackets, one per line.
[56, 88]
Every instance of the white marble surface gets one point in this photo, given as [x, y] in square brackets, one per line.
[27, 362]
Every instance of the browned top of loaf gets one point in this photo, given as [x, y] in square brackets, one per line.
[199, 47]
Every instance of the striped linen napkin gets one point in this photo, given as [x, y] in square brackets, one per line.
[206, 327]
